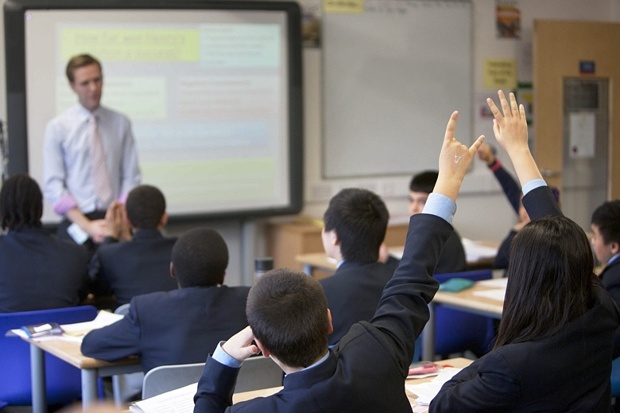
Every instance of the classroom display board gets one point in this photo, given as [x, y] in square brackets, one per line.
[393, 72]
[213, 91]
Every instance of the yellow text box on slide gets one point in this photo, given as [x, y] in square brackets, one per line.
[133, 45]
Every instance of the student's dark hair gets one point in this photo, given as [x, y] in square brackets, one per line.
[78, 61]
[423, 182]
[550, 278]
[287, 311]
[145, 207]
[360, 220]
[200, 258]
[607, 218]
[21, 203]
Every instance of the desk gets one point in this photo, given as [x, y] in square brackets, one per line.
[318, 260]
[465, 300]
[69, 351]
[459, 362]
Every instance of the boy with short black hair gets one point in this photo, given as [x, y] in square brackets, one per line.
[605, 226]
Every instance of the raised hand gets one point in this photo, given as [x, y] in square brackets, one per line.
[510, 129]
[454, 160]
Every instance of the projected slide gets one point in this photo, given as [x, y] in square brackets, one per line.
[207, 92]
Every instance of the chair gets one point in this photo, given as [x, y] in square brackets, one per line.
[125, 386]
[457, 331]
[64, 380]
[256, 373]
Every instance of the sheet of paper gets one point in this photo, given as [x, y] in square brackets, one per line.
[476, 251]
[180, 400]
[427, 391]
[497, 294]
[495, 282]
[75, 332]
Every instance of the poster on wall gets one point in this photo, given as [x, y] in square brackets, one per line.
[508, 19]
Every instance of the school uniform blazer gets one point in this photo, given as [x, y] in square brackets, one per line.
[565, 372]
[38, 271]
[173, 327]
[365, 371]
[353, 293]
[452, 258]
[136, 267]
[611, 281]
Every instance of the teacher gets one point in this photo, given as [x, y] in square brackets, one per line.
[90, 157]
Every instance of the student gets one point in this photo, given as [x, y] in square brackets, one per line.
[452, 258]
[290, 322]
[355, 225]
[141, 265]
[513, 194]
[81, 181]
[554, 347]
[183, 325]
[605, 226]
[37, 270]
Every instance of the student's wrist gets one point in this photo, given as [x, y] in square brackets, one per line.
[494, 165]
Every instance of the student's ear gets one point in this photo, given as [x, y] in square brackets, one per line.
[173, 273]
[262, 349]
[330, 325]
[164, 220]
[615, 248]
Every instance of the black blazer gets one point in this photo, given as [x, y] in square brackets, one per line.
[366, 370]
[611, 281]
[353, 293]
[452, 258]
[566, 372]
[39, 271]
[174, 327]
[139, 266]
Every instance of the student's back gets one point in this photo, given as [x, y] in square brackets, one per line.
[140, 265]
[182, 325]
[37, 270]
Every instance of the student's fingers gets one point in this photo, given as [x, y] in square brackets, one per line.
[476, 145]
[504, 103]
[513, 105]
[451, 126]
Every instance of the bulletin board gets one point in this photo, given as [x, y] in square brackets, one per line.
[393, 71]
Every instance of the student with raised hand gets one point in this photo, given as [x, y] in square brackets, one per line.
[140, 265]
[554, 346]
[183, 325]
[290, 322]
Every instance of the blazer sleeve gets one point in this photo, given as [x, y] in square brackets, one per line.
[116, 341]
[215, 388]
[403, 309]
[540, 203]
[487, 384]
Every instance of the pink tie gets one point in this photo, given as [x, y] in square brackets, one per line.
[101, 179]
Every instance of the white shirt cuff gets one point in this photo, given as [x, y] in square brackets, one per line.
[224, 358]
[533, 184]
[441, 206]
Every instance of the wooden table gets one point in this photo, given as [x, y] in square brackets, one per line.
[465, 300]
[314, 261]
[459, 362]
[69, 351]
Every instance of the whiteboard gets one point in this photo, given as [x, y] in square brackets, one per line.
[393, 73]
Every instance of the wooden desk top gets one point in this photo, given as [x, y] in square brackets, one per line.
[69, 351]
[467, 300]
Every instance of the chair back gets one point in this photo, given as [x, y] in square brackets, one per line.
[63, 380]
[457, 331]
[256, 373]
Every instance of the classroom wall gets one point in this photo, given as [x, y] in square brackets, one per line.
[483, 213]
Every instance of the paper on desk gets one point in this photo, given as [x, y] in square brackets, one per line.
[180, 400]
[497, 294]
[75, 332]
[475, 251]
[427, 391]
[495, 282]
